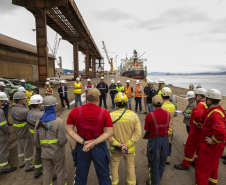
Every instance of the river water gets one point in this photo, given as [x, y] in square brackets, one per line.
[206, 81]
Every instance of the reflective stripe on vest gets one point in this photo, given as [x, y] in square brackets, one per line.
[20, 125]
[138, 93]
[31, 93]
[128, 91]
[216, 110]
[31, 131]
[3, 123]
[49, 141]
[169, 106]
[4, 164]
[204, 105]
[77, 91]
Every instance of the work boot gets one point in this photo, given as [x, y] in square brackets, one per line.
[54, 178]
[180, 167]
[11, 169]
[223, 157]
[193, 164]
[22, 166]
[168, 160]
[144, 112]
[30, 170]
[38, 175]
[224, 162]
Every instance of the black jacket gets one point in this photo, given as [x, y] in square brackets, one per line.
[103, 87]
[112, 89]
[63, 94]
[151, 92]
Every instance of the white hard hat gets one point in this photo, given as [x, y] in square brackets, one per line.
[127, 81]
[161, 81]
[36, 99]
[200, 91]
[2, 84]
[112, 81]
[214, 94]
[166, 91]
[88, 80]
[118, 82]
[21, 89]
[138, 82]
[22, 81]
[150, 81]
[49, 101]
[47, 79]
[77, 79]
[190, 94]
[102, 78]
[3, 96]
[47, 83]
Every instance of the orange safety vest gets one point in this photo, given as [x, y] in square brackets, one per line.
[138, 93]
[128, 91]
[49, 91]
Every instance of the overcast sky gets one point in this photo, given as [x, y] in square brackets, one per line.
[177, 35]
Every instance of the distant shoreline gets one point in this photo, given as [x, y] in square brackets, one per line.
[185, 74]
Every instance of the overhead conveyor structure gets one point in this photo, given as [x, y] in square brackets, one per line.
[64, 17]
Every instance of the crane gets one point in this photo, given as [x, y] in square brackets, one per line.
[110, 60]
[55, 48]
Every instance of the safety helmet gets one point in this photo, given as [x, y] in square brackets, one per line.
[200, 91]
[112, 81]
[2, 84]
[21, 89]
[3, 96]
[118, 82]
[47, 79]
[19, 95]
[214, 94]
[150, 81]
[120, 97]
[49, 101]
[190, 94]
[88, 80]
[47, 83]
[28, 86]
[102, 78]
[36, 99]
[166, 91]
[77, 79]
[22, 81]
[138, 82]
[127, 81]
[161, 81]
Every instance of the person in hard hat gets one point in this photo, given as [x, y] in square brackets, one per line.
[78, 91]
[128, 90]
[138, 95]
[168, 106]
[24, 143]
[157, 124]
[48, 80]
[212, 140]
[119, 87]
[146, 94]
[4, 140]
[62, 90]
[50, 134]
[23, 83]
[113, 92]
[187, 112]
[197, 119]
[48, 89]
[103, 88]
[88, 86]
[150, 94]
[94, 127]
[5, 104]
[160, 86]
[32, 117]
[29, 93]
[127, 132]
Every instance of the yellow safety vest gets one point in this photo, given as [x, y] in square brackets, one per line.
[77, 85]
[29, 95]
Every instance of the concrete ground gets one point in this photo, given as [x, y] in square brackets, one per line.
[171, 176]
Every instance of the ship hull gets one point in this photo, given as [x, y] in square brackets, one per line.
[135, 74]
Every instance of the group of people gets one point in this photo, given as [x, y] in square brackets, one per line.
[94, 125]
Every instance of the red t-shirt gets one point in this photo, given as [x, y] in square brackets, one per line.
[161, 116]
[90, 114]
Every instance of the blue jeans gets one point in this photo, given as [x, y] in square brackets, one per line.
[138, 101]
[78, 96]
[129, 103]
[112, 99]
[150, 107]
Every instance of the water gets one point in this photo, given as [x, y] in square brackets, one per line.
[206, 81]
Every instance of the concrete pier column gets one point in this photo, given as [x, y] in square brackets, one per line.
[76, 62]
[94, 66]
[87, 64]
[42, 50]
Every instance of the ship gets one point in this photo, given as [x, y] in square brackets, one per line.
[133, 67]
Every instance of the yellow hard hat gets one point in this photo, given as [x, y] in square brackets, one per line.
[120, 97]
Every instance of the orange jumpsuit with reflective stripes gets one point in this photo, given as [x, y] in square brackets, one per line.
[198, 115]
[206, 169]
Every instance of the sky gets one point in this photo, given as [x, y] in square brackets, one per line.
[177, 36]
